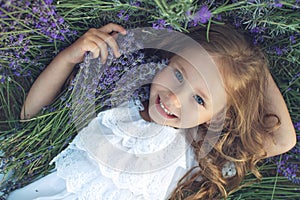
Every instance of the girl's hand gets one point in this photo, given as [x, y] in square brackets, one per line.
[95, 41]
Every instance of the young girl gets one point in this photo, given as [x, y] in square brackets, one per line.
[257, 125]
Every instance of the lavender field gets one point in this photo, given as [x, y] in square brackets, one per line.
[33, 32]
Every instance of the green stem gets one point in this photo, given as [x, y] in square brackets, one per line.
[236, 6]
[159, 4]
[275, 183]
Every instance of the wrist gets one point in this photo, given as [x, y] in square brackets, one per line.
[64, 57]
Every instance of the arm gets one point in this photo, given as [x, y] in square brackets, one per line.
[47, 85]
[284, 138]
[51, 80]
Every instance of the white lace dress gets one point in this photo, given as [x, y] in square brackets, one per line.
[117, 156]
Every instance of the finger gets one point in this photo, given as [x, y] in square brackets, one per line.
[91, 44]
[114, 35]
[103, 51]
[110, 41]
[104, 55]
[95, 50]
[113, 27]
[97, 46]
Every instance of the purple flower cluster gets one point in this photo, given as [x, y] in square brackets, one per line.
[123, 16]
[258, 34]
[159, 24]
[135, 83]
[30, 159]
[289, 165]
[293, 39]
[121, 65]
[49, 22]
[116, 81]
[297, 125]
[276, 4]
[135, 3]
[22, 22]
[203, 15]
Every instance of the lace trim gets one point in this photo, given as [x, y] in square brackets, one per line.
[87, 164]
[90, 180]
[121, 135]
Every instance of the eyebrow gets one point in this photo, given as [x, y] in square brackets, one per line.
[198, 91]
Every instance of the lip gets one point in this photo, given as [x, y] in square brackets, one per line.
[161, 111]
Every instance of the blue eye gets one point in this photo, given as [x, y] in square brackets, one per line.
[199, 100]
[178, 75]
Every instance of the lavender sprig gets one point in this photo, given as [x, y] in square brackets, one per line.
[118, 80]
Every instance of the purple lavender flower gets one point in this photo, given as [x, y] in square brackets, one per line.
[7, 4]
[202, 16]
[42, 19]
[2, 78]
[35, 10]
[50, 147]
[237, 22]
[160, 24]
[288, 169]
[277, 4]
[292, 39]
[61, 20]
[189, 13]
[122, 16]
[297, 126]
[17, 73]
[135, 3]
[219, 17]
[126, 17]
[257, 30]
[257, 33]
[27, 162]
[48, 2]
[51, 12]
[278, 51]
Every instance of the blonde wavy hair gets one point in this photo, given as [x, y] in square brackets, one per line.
[244, 68]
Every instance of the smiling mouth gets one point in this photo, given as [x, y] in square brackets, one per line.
[163, 110]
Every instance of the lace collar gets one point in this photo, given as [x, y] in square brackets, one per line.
[122, 136]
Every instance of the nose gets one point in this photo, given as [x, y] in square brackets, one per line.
[173, 100]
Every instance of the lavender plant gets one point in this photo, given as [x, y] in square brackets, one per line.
[33, 32]
[27, 30]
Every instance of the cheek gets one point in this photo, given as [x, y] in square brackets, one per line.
[193, 116]
[160, 78]
[190, 114]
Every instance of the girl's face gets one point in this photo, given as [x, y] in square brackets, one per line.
[179, 96]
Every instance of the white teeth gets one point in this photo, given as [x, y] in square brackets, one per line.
[163, 107]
